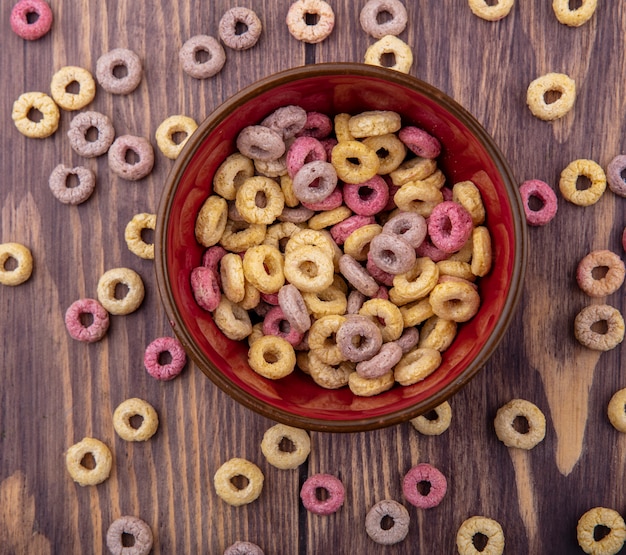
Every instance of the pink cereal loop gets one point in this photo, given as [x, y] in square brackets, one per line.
[156, 349]
[19, 19]
[332, 201]
[420, 142]
[431, 251]
[270, 298]
[317, 125]
[367, 198]
[212, 256]
[437, 486]
[449, 226]
[540, 190]
[96, 329]
[205, 287]
[273, 324]
[341, 231]
[334, 488]
[303, 150]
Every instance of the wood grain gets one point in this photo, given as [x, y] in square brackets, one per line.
[55, 391]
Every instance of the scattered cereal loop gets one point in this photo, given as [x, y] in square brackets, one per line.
[285, 459]
[118, 157]
[167, 131]
[576, 17]
[438, 485]
[127, 410]
[243, 548]
[483, 526]
[599, 340]
[612, 542]
[80, 126]
[380, 512]
[20, 24]
[569, 178]
[297, 20]
[229, 28]
[491, 12]
[23, 259]
[141, 533]
[436, 424]
[228, 491]
[156, 355]
[505, 424]
[119, 58]
[610, 282]
[389, 44]
[614, 172]
[133, 235]
[616, 410]
[335, 493]
[44, 104]
[63, 78]
[89, 331]
[202, 69]
[545, 195]
[374, 8]
[58, 183]
[107, 291]
[102, 457]
[559, 83]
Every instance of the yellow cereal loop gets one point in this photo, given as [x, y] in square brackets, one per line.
[328, 218]
[276, 234]
[357, 244]
[225, 486]
[251, 297]
[367, 387]
[437, 333]
[485, 527]
[455, 300]
[263, 268]
[416, 312]
[416, 283]
[506, 417]
[617, 410]
[569, 178]
[286, 186]
[232, 277]
[240, 236]
[331, 300]
[169, 130]
[322, 339]
[390, 44]
[374, 123]
[309, 237]
[271, 446]
[558, 83]
[260, 200]
[43, 104]
[61, 81]
[468, 196]
[434, 422]
[418, 196]
[130, 408]
[231, 173]
[354, 161]
[232, 320]
[390, 151]
[23, 268]
[414, 169]
[310, 269]
[272, 357]
[107, 291]
[482, 255]
[342, 129]
[102, 458]
[417, 365]
[490, 11]
[329, 376]
[211, 221]
[386, 316]
[575, 17]
[609, 544]
[133, 235]
[456, 268]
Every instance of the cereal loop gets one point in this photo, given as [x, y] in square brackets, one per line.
[449, 226]
[365, 167]
[228, 491]
[609, 282]
[389, 149]
[81, 125]
[367, 198]
[297, 20]
[576, 17]
[134, 238]
[610, 543]
[103, 461]
[20, 23]
[114, 81]
[299, 444]
[23, 268]
[260, 143]
[545, 195]
[287, 121]
[156, 358]
[417, 365]
[229, 28]
[434, 422]
[314, 182]
[389, 44]
[559, 83]
[569, 179]
[108, 294]
[379, 513]
[243, 548]
[489, 11]
[141, 533]
[141, 150]
[168, 130]
[484, 527]
[437, 486]
[505, 424]
[211, 221]
[334, 489]
[359, 338]
[373, 9]
[259, 200]
[59, 184]
[420, 142]
[130, 408]
[66, 76]
[272, 357]
[604, 339]
[617, 410]
[43, 104]
[455, 300]
[76, 315]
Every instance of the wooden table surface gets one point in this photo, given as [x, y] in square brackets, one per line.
[55, 391]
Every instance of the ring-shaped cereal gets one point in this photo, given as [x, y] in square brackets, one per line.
[418, 196]
[143, 151]
[608, 283]
[328, 376]
[381, 364]
[58, 183]
[335, 493]
[616, 410]
[329, 218]
[416, 312]
[226, 489]
[373, 9]
[455, 300]
[65, 77]
[80, 126]
[258, 142]
[614, 175]
[485, 527]
[599, 340]
[299, 443]
[130, 301]
[358, 338]
[286, 120]
[128, 79]
[294, 307]
[449, 226]
[380, 512]
[417, 365]
[435, 422]
[368, 387]
[569, 178]
[314, 182]
[232, 277]
[482, 252]
[21, 24]
[159, 368]
[609, 544]
[310, 269]
[357, 244]
[489, 11]
[243, 548]
[168, 130]
[92, 331]
[391, 253]
[303, 150]
[420, 142]
[437, 333]
[276, 323]
[41, 102]
[357, 275]
[329, 301]
[414, 169]
[576, 17]
[389, 149]
[263, 267]
[409, 339]
[230, 24]
[505, 422]
[130, 408]
[332, 201]
[374, 122]
[231, 173]
[102, 458]
[296, 20]
[141, 533]
[403, 56]
[386, 316]
[232, 320]
[437, 486]
[366, 165]
[559, 83]
[416, 283]
[409, 226]
[367, 198]
[211, 48]
[540, 190]
[259, 200]
[272, 357]
[240, 236]
[133, 235]
[468, 196]
[23, 259]
[211, 221]
[323, 343]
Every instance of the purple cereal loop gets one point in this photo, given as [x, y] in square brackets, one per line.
[391, 253]
[156, 349]
[367, 198]
[540, 190]
[357, 275]
[614, 175]
[260, 143]
[96, 329]
[387, 357]
[427, 249]
[420, 142]
[273, 325]
[243, 548]
[228, 28]
[132, 526]
[302, 151]
[72, 195]
[424, 472]
[355, 301]
[359, 338]
[341, 231]
[286, 120]
[188, 56]
[205, 288]
[293, 306]
[449, 226]
[314, 182]
[317, 125]
[334, 488]
[117, 157]
[81, 124]
[119, 57]
[332, 201]
[408, 339]
[373, 9]
[296, 215]
[410, 226]
[20, 24]
[379, 275]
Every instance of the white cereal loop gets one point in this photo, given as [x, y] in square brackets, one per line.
[612, 542]
[576, 17]
[390, 44]
[369, 18]
[559, 83]
[489, 11]
[272, 446]
[297, 20]
[226, 489]
[484, 526]
[505, 424]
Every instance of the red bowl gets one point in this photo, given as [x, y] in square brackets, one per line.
[468, 153]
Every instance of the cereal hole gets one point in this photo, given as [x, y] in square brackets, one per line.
[308, 268]
[480, 541]
[73, 87]
[431, 415]
[353, 161]
[286, 445]
[147, 235]
[120, 71]
[239, 178]
[358, 340]
[423, 487]
[121, 290]
[520, 424]
[86, 319]
[31, 17]
[600, 327]
[128, 540]
[240, 28]
[88, 461]
[583, 183]
[388, 59]
[383, 16]
[388, 256]
[164, 358]
[535, 203]
[271, 357]
[240, 481]
[575, 4]
[321, 494]
[34, 115]
[131, 156]
[311, 18]
[260, 199]
[135, 421]
[71, 181]
[92, 134]
[551, 96]
[284, 326]
[10, 264]
[178, 137]
[382, 153]
[599, 272]
[600, 532]
[366, 193]
[201, 56]
[492, 2]
[387, 523]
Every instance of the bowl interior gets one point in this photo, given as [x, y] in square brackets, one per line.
[468, 154]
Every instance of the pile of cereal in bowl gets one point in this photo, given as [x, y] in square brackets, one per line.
[336, 246]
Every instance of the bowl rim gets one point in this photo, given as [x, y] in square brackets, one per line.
[340, 69]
